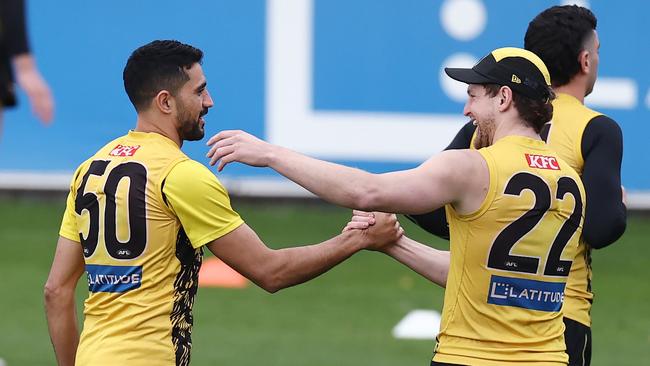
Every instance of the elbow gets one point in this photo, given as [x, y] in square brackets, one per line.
[271, 284]
[52, 295]
[597, 238]
[367, 199]
[270, 279]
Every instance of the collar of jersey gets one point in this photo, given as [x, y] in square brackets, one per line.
[523, 140]
[139, 135]
[566, 98]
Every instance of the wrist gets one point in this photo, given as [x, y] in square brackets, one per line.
[392, 250]
[356, 239]
[272, 155]
[23, 62]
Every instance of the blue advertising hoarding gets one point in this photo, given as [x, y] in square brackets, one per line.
[358, 82]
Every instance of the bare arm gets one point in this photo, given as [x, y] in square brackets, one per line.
[12, 16]
[30, 79]
[274, 270]
[440, 180]
[60, 309]
[430, 263]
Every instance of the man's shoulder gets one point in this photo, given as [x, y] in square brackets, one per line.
[567, 109]
[190, 173]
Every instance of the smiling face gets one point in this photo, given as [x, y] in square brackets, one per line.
[193, 102]
[481, 108]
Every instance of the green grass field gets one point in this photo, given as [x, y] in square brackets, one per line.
[344, 317]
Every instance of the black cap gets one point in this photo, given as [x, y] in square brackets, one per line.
[519, 69]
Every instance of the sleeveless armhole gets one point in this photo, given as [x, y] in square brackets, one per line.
[489, 197]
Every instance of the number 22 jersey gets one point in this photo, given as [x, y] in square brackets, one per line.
[142, 210]
[510, 260]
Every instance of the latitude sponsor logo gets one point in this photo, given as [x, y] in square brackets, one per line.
[527, 294]
[103, 278]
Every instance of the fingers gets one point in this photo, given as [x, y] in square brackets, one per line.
[222, 135]
[399, 230]
[43, 105]
[221, 154]
[219, 144]
[358, 225]
[367, 219]
[41, 101]
[362, 213]
[385, 217]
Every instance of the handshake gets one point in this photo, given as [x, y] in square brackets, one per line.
[381, 230]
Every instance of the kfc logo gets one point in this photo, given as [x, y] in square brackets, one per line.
[542, 162]
[122, 150]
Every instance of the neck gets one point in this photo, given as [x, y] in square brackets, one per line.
[515, 127]
[574, 88]
[147, 123]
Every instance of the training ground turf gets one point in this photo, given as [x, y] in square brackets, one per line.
[344, 317]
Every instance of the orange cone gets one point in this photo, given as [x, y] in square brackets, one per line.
[215, 273]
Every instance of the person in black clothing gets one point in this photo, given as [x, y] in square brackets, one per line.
[565, 38]
[17, 63]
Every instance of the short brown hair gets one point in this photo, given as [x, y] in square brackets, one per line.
[535, 112]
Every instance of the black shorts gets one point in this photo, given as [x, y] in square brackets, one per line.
[577, 337]
[7, 95]
[434, 363]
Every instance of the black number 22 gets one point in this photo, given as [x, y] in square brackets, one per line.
[500, 257]
[137, 175]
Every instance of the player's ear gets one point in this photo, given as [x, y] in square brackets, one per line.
[504, 98]
[584, 59]
[164, 101]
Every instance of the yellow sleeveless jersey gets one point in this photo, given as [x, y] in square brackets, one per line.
[142, 210]
[510, 261]
[570, 118]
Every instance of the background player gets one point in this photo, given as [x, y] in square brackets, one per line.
[503, 296]
[565, 38]
[138, 216]
[15, 57]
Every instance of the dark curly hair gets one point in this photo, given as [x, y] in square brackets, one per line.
[535, 112]
[159, 65]
[558, 35]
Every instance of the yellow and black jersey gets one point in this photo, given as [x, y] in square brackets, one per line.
[592, 144]
[142, 210]
[570, 118]
[510, 260]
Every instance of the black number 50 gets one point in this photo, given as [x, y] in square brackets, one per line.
[137, 175]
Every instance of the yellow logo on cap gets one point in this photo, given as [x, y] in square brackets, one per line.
[515, 79]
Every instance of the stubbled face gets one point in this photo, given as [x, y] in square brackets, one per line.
[193, 101]
[592, 45]
[480, 108]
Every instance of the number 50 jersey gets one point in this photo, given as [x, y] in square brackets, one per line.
[142, 210]
[510, 260]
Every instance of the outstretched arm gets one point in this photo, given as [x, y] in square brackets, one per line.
[440, 180]
[274, 270]
[60, 309]
[436, 222]
[430, 263]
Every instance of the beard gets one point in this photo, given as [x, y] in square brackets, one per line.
[191, 127]
[484, 133]
[590, 86]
